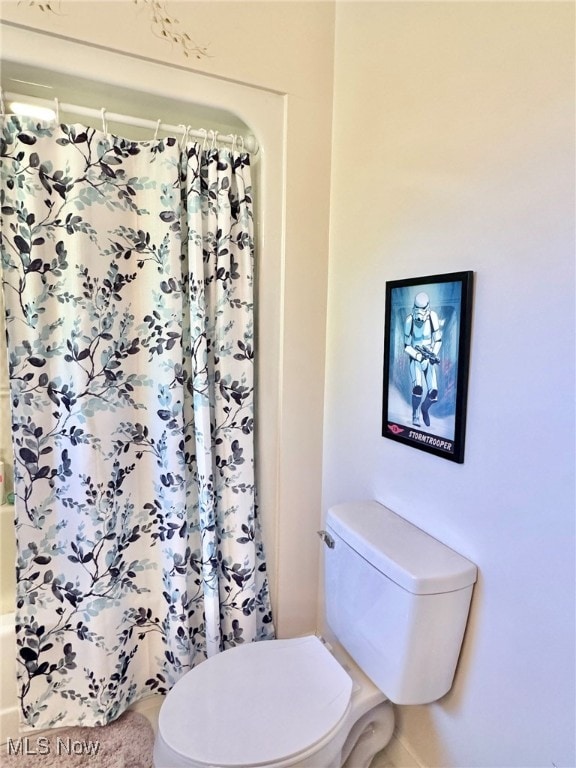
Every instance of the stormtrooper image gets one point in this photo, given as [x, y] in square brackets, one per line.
[422, 342]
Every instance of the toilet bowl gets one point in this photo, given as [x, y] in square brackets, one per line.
[273, 704]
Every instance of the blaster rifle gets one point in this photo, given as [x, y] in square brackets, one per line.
[427, 354]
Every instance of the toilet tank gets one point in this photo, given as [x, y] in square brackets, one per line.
[397, 600]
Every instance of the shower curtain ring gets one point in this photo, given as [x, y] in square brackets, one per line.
[2, 107]
[156, 131]
[104, 121]
[56, 111]
[185, 130]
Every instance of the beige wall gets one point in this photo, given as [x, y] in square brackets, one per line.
[285, 49]
[453, 149]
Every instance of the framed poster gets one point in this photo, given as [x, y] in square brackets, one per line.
[426, 355]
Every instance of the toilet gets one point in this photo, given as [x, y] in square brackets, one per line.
[397, 602]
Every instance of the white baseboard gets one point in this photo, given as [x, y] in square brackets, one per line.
[396, 755]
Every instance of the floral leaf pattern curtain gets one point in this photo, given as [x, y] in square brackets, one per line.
[128, 284]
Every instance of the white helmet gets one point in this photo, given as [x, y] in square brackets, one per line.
[421, 309]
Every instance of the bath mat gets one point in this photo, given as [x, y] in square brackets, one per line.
[125, 743]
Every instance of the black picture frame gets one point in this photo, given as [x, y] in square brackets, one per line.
[425, 390]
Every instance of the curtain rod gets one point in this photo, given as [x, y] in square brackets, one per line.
[248, 143]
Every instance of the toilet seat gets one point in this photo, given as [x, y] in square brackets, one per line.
[258, 704]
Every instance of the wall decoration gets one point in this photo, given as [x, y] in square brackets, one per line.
[163, 25]
[426, 355]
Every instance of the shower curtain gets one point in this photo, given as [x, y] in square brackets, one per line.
[128, 274]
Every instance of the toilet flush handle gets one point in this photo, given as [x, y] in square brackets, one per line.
[327, 539]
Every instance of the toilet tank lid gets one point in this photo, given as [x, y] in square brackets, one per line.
[404, 553]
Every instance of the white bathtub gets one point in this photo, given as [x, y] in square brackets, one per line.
[7, 559]
[8, 691]
[9, 715]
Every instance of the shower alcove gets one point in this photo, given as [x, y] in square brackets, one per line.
[44, 66]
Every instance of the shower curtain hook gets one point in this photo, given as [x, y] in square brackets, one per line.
[214, 138]
[204, 138]
[156, 131]
[2, 107]
[185, 129]
[56, 111]
[104, 122]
